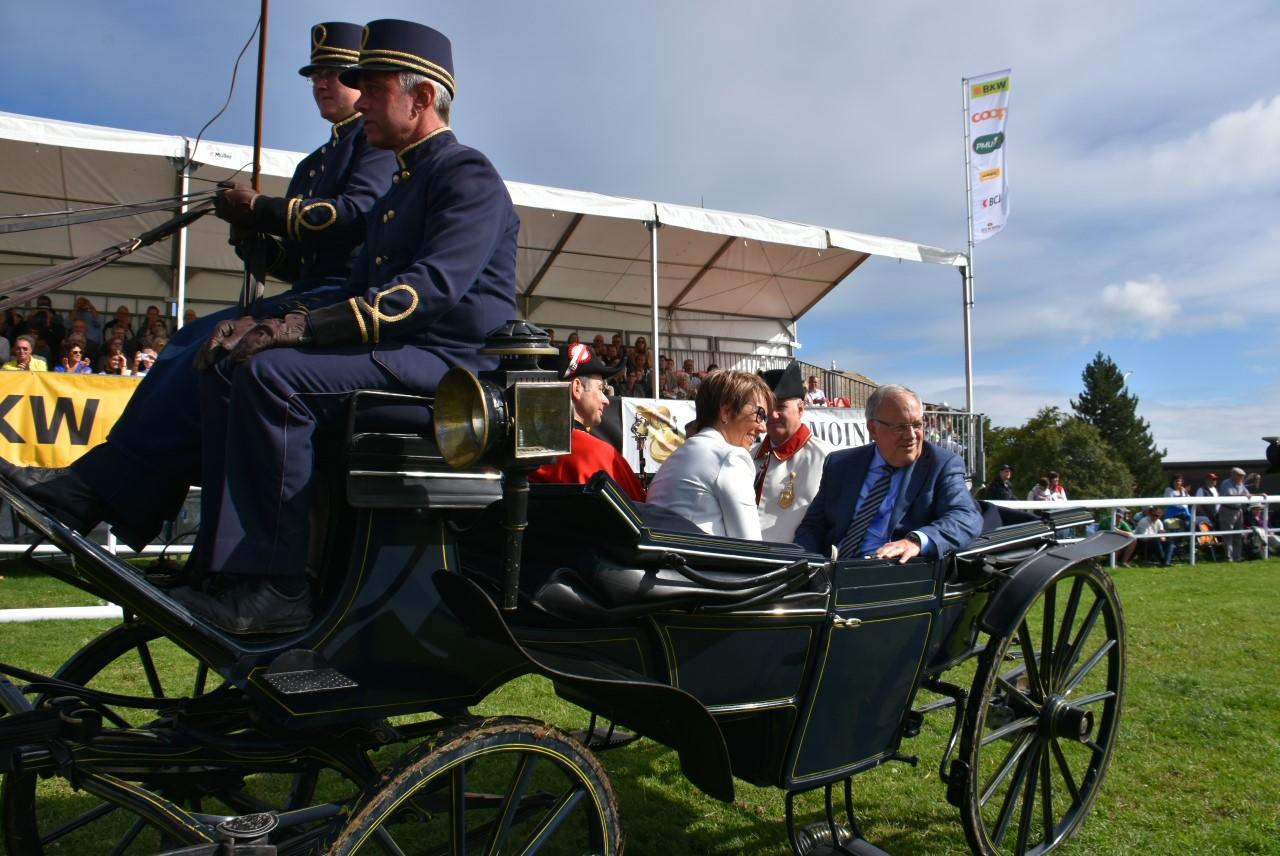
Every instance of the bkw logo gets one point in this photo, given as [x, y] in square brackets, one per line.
[49, 425]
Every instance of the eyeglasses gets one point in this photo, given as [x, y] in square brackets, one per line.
[902, 429]
[760, 414]
[327, 75]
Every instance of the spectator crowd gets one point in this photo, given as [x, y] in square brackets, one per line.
[84, 342]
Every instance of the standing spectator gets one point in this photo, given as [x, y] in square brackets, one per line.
[12, 325]
[1180, 513]
[1207, 513]
[1001, 487]
[189, 316]
[85, 310]
[1231, 516]
[24, 359]
[1041, 492]
[814, 395]
[1057, 492]
[1160, 549]
[74, 360]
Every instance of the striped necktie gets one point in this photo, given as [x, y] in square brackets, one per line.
[865, 513]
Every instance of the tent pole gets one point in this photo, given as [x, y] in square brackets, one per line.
[652, 226]
[180, 260]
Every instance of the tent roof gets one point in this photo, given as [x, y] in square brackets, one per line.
[573, 246]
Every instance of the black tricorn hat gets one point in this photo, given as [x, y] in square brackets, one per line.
[785, 383]
[334, 44]
[392, 45]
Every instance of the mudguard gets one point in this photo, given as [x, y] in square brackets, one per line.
[659, 711]
[1027, 579]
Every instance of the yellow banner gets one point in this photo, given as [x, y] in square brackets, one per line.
[49, 419]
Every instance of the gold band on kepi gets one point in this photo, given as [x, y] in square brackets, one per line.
[334, 44]
[392, 45]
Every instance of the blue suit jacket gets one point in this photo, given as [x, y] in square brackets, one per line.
[933, 500]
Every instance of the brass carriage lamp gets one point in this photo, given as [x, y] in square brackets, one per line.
[516, 417]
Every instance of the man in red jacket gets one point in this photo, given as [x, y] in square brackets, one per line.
[581, 365]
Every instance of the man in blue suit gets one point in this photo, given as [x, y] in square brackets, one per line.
[895, 498]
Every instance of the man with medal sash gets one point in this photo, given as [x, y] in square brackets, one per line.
[789, 459]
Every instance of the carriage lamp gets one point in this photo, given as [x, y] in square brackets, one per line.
[516, 417]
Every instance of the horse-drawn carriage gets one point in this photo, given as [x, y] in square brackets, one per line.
[437, 584]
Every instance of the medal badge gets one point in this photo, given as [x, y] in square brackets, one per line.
[788, 496]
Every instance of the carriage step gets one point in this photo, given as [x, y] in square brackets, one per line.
[309, 681]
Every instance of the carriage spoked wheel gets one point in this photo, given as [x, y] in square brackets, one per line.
[1042, 719]
[504, 786]
[46, 816]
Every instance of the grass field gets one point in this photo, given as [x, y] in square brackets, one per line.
[1196, 771]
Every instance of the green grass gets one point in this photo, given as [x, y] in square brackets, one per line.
[1197, 768]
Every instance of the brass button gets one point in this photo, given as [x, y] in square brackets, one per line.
[377, 260]
[395, 179]
[391, 215]
[324, 149]
[312, 173]
[405, 175]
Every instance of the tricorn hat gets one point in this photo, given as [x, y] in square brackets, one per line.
[785, 383]
[579, 360]
[334, 44]
[392, 45]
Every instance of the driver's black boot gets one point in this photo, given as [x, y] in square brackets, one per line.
[248, 605]
[61, 491]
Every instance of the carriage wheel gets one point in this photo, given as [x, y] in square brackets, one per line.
[45, 816]
[507, 786]
[1042, 718]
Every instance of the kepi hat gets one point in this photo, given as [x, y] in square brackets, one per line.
[579, 360]
[392, 45]
[334, 44]
[785, 383]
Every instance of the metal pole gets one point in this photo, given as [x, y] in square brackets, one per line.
[652, 226]
[181, 261]
[257, 117]
[967, 270]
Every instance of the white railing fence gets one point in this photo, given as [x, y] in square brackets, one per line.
[1266, 533]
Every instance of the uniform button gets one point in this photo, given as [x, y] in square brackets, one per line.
[312, 173]
[391, 215]
[322, 167]
[395, 179]
[405, 175]
[384, 218]
[377, 260]
[324, 149]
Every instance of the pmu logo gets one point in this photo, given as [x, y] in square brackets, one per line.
[992, 201]
[993, 113]
[988, 143]
[991, 87]
[49, 426]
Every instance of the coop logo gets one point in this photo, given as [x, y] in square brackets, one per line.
[990, 87]
[49, 425]
[992, 201]
[988, 143]
[989, 174]
[994, 113]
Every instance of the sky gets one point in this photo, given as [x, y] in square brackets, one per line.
[1143, 159]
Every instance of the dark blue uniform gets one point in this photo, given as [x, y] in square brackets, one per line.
[152, 454]
[437, 272]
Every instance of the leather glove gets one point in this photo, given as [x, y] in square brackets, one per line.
[287, 332]
[235, 203]
[226, 335]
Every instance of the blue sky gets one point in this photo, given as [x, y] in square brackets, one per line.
[1143, 160]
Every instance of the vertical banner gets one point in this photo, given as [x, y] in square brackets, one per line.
[987, 98]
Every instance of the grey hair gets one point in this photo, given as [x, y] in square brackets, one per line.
[443, 102]
[889, 390]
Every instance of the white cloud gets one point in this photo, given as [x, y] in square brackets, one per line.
[1140, 307]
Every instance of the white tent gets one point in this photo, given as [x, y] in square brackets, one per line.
[722, 281]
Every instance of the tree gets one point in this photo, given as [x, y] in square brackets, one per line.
[1052, 440]
[1108, 406]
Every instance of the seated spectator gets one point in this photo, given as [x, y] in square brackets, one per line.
[189, 316]
[115, 363]
[634, 386]
[620, 346]
[12, 324]
[683, 390]
[666, 378]
[143, 360]
[1124, 556]
[640, 356]
[1041, 492]
[79, 327]
[710, 479]
[114, 347]
[157, 329]
[1057, 493]
[121, 320]
[73, 359]
[1155, 549]
[24, 358]
[694, 377]
[149, 320]
[573, 339]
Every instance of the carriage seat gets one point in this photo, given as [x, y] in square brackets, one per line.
[392, 460]
[598, 558]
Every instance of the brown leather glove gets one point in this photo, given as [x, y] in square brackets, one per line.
[226, 335]
[235, 203]
[287, 332]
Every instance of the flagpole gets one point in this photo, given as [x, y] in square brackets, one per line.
[967, 271]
